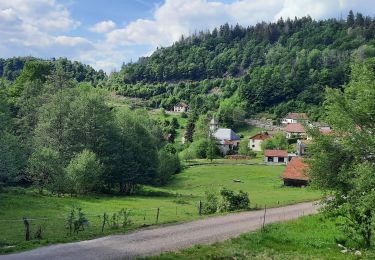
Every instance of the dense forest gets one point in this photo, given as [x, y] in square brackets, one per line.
[277, 67]
[61, 135]
[11, 68]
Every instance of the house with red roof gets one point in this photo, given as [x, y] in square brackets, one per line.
[276, 156]
[295, 173]
[256, 141]
[295, 130]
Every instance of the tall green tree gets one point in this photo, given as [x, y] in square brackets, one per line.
[342, 164]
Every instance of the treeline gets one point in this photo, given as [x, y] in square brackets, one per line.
[11, 68]
[280, 67]
[62, 136]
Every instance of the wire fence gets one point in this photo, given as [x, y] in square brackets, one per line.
[56, 228]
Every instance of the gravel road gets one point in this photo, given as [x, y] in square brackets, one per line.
[153, 241]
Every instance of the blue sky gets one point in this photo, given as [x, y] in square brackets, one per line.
[107, 33]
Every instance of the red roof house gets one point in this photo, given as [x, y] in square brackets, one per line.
[276, 156]
[295, 173]
[295, 129]
[292, 118]
[255, 141]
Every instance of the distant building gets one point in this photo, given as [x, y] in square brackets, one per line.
[295, 173]
[181, 107]
[293, 118]
[302, 147]
[295, 130]
[226, 138]
[256, 141]
[276, 156]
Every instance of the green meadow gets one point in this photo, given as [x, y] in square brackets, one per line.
[177, 202]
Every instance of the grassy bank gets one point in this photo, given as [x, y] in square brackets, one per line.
[177, 202]
[311, 237]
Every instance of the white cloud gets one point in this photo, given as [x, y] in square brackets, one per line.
[40, 27]
[103, 27]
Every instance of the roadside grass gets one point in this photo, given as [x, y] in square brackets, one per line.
[310, 237]
[177, 202]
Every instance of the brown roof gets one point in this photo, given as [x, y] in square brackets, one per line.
[294, 128]
[296, 116]
[275, 153]
[295, 170]
[260, 136]
[325, 131]
[181, 104]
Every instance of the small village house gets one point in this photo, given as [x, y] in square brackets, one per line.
[256, 141]
[226, 138]
[295, 130]
[276, 156]
[293, 118]
[181, 107]
[295, 173]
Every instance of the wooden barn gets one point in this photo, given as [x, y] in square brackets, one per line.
[295, 173]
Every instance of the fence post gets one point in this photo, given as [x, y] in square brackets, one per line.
[264, 216]
[27, 228]
[104, 221]
[200, 208]
[157, 215]
[144, 217]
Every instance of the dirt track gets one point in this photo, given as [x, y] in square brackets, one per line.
[166, 238]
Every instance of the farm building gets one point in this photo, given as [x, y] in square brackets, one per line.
[255, 141]
[293, 118]
[226, 138]
[181, 107]
[295, 130]
[276, 156]
[295, 173]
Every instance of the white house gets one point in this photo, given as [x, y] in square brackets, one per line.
[226, 138]
[181, 107]
[293, 118]
[276, 156]
[256, 141]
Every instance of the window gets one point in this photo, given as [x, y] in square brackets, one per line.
[270, 159]
[280, 159]
[253, 145]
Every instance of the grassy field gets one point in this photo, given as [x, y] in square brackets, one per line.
[177, 202]
[311, 237]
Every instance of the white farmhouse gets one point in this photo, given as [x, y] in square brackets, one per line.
[226, 138]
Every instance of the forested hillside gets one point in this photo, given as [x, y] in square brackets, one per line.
[282, 66]
[11, 68]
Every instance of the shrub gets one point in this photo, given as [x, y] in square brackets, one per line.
[234, 201]
[184, 115]
[210, 204]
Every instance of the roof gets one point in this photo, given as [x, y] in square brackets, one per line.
[260, 136]
[296, 116]
[225, 134]
[276, 153]
[181, 104]
[294, 128]
[325, 131]
[295, 170]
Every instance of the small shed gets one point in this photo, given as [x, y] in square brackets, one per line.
[276, 156]
[295, 173]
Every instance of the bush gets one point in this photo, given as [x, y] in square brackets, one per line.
[234, 201]
[210, 204]
[169, 164]
[184, 115]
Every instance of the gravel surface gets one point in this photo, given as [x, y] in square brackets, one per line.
[153, 241]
